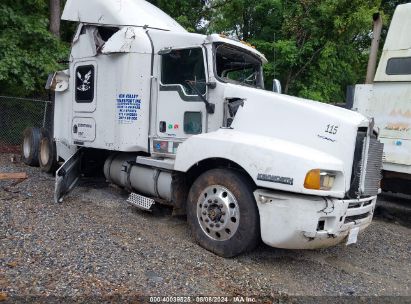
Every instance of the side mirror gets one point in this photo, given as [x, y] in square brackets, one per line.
[277, 86]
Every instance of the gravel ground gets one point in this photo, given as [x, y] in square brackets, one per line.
[96, 245]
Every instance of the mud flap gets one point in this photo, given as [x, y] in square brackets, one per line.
[68, 176]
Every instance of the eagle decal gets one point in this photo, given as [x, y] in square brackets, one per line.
[85, 82]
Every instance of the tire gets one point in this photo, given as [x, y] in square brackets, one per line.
[222, 213]
[30, 146]
[47, 157]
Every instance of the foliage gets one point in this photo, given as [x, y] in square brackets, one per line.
[315, 47]
[28, 52]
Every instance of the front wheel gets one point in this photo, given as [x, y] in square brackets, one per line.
[222, 213]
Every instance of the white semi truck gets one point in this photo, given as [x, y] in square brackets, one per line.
[388, 99]
[183, 119]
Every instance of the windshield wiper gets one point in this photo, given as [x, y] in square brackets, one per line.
[210, 107]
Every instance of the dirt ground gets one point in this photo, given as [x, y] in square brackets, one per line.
[94, 245]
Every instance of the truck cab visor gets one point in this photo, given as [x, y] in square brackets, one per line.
[120, 12]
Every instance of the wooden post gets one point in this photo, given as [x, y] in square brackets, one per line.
[11, 176]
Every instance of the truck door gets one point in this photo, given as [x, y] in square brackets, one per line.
[181, 112]
[84, 103]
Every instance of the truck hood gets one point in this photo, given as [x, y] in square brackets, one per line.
[316, 125]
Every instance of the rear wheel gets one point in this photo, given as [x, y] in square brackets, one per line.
[30, 146]
[47, 153]
[222, 213]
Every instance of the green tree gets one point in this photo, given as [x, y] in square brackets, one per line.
[316, 48]
[28, 51]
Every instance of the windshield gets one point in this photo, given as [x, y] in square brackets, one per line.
[237, 66]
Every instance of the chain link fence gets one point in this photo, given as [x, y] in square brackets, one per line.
[17, 114]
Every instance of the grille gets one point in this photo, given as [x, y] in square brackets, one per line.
[354, 218]
[370, 184]
[373, 168]
[357, 164]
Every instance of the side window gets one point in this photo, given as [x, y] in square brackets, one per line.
[85, 84]
[182, 66]
[399, 66]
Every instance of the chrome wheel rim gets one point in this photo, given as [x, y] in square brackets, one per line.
[44, 152]
[26, 147]
[218, 213]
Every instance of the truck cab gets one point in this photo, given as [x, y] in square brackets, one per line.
[183, 119]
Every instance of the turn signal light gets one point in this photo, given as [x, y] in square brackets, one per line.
[313, 180]
[319, 180]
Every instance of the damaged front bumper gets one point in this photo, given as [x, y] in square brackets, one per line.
[295, 221]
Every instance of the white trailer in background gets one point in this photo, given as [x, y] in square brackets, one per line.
[183, 119]
[388, 100]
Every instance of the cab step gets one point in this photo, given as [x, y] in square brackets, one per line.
[141, 201]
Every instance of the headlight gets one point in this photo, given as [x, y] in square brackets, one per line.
[319, 180]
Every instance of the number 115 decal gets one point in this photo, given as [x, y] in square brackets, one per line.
[332, 129]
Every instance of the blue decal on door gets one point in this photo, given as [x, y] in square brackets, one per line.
[128, 106]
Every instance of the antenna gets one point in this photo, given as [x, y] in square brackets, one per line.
[274, 57]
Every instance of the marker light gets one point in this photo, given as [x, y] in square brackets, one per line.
[319, 180]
